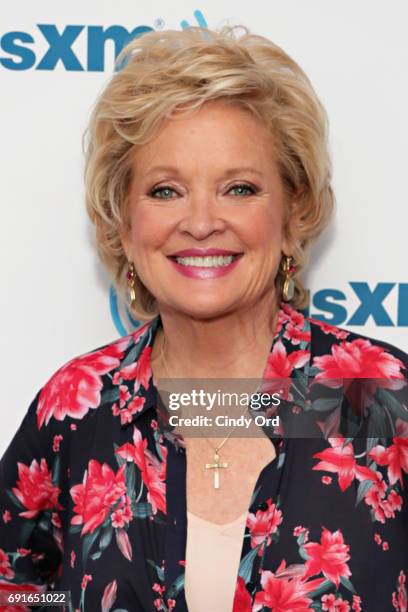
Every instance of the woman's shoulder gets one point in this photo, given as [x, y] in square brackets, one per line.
[78, 386]
[356, 349]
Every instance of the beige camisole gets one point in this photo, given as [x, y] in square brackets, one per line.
[213, 554]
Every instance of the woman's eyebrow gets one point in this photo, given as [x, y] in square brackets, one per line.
[169, 169]
[227, 173]
[239, 169]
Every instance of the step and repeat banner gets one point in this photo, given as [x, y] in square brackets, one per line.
[57, 301]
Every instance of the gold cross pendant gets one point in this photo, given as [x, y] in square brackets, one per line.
[216, 467]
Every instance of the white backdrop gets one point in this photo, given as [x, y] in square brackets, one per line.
[55, 296]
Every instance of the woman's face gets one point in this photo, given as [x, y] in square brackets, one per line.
[207, 186]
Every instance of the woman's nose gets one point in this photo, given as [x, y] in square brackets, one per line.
[203, 216]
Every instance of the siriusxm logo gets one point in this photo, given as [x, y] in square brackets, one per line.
[333, 303]
[19, 52]
[328, 305]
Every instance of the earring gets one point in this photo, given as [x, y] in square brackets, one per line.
[288, 289]
[131, 276]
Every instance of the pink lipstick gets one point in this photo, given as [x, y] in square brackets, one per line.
[205, 263]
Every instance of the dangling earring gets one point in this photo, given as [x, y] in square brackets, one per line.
[288, 289]
[131, 276]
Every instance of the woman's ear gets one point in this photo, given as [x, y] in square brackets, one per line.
[126, 243]
[287, 244]
[286, 247]
[125, 230]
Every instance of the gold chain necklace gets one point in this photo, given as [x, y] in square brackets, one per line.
[216, 465]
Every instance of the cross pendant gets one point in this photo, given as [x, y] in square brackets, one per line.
[216, 466]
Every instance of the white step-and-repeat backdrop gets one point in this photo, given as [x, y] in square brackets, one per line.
[57, 301]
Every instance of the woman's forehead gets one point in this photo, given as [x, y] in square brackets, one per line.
[226, 138]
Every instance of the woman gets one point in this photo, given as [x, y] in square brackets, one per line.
[208, 179]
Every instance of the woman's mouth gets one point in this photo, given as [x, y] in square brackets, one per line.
[208, 266]
[210, 261]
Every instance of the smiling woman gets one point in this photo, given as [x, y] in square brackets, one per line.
[277, 137]
[216, 214]
[208, 178]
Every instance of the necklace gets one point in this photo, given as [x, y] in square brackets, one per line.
[217, 464]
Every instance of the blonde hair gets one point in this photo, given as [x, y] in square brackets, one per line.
[163, 72]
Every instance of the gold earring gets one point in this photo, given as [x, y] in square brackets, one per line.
[131, 276]
[288, 289]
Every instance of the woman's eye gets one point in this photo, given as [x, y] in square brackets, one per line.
[243, 189]
[164, 191]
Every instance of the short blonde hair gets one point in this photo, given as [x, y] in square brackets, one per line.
[163, 72]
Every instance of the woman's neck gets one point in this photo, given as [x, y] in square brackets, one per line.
[233, 346]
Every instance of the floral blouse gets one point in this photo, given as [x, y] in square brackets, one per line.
[93, 486]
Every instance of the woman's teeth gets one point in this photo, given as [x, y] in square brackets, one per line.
[211, 261]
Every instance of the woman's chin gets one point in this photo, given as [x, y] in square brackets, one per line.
[205, 308]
